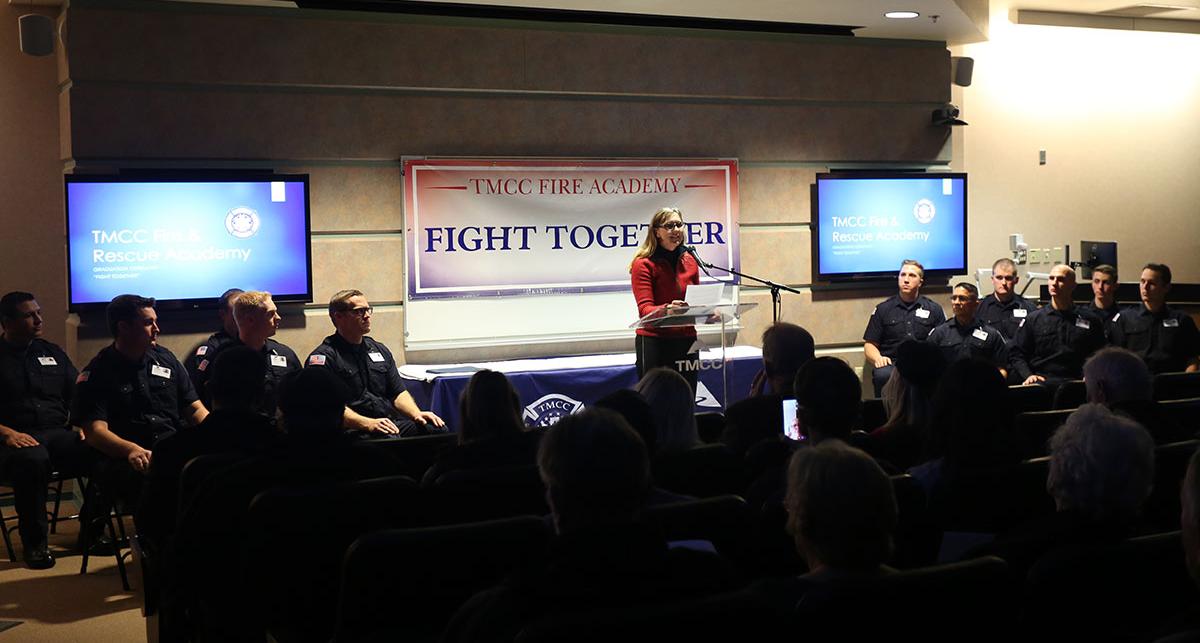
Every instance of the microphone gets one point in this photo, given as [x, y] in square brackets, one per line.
[692, 251]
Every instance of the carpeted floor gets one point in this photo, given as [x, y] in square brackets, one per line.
[58, 605]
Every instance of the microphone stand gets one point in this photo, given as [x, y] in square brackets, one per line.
[776, 303]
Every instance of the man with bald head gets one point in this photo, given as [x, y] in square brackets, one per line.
[1053, 341]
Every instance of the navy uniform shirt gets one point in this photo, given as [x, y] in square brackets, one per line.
[975, 339]
[1054, 343]
[280, 360]
[1005, 317]
[367, 368]
[141, 400]
[203, 355]
[36, 386]
[1166, 340]
[1109, 315]
[895, 321]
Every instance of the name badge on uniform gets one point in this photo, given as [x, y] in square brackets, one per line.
[980, 334]
[1116, 316]
[160, 371]
[50, 361]
[278, 360]
[1170, 323]
[1083, 323]
[1020, 312]
[922, 313]
[376, 356]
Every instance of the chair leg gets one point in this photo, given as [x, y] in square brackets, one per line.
[117, 550]
[12, 554]
[57, 487]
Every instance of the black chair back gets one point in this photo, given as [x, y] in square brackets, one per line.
[722, 520]
[1070, 395]
[1023, 399]
[1176, 386]
[918, 536]
[873, 414]
[1185, 412]
[994, 500]
[965, 601]
[297, 538]
[418, 453]
[709, 425]
[405, 584]
[474, 495]
[196, 471]
[1034, 428]
[1119, 591]
[704, 471]
[1161, 509]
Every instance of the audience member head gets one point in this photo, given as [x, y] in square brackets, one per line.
[238, 378]
[969, 418]
[1104, 285]
[908, 393]
[1153, 285]
[257, 317]
[828, 399]
[1115, 375]
[1061, 285]
[489, 407]
[637, 412]
[133, 323]
[1189, 516]
[351, 314]
[1101, 465]
[912, 275]
[225, 311]
[785, 348]
[21, 317]
[1004, 278]
[841, 508]
[595, 468]
[311, 404]
[674, 407]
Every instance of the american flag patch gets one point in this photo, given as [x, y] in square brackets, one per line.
[201, 351]
[203, 365]
[316, 360]
[83, 377]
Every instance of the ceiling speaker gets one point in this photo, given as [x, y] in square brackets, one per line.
[37, 34]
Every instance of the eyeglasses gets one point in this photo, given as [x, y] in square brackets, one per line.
[673, 225]
[360, 312]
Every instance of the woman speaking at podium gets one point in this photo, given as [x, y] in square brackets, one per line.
[660, 273]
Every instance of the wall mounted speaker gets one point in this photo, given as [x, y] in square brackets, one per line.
[961, 70]
[37, 34]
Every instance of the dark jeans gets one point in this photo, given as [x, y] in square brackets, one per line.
[28, 469]
[879, 377]
[653, 352]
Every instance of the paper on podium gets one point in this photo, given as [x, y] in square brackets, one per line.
[704, 294]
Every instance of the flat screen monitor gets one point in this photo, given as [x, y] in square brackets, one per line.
[186, 239]
[1096, 253]
[866, 224]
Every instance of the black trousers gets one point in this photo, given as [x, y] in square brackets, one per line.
[653, 352]
[28, 469]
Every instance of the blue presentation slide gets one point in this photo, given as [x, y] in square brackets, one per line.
[871, 225]
[186, 240]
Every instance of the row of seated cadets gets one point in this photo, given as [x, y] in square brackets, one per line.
[379, 404]
[1031, 345]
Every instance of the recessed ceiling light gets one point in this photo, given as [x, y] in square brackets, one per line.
[902, 15]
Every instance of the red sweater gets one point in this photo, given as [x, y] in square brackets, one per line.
[656, 283]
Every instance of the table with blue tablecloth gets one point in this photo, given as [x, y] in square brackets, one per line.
[553, 387]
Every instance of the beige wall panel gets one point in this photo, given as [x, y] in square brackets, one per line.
[831, 320]
[374, 265]
[187, 47]
[775, 194]
[112, 120]
[779, 254]
[355, 198]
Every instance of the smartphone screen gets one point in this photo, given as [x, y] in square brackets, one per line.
[791, 426]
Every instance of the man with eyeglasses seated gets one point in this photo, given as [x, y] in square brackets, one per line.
[257, 319]
[379, 404]
[1004, 309]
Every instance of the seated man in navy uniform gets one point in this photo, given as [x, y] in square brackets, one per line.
[1004, 309]
[1054, 341]
[1165, 338]
[257, 319]
[209, 347]
[1104, 296]
[963, 336]
[906, 315]
[37, 382]
[379, 403]
[133, 393]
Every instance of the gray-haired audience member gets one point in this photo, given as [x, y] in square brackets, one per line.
[1101, 465]
[1119, 379]
[673, 404]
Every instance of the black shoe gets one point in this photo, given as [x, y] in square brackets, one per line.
[38, 557]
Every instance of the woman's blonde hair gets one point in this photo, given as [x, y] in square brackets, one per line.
[650, 243]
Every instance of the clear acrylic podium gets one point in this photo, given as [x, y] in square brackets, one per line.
[699, 316]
